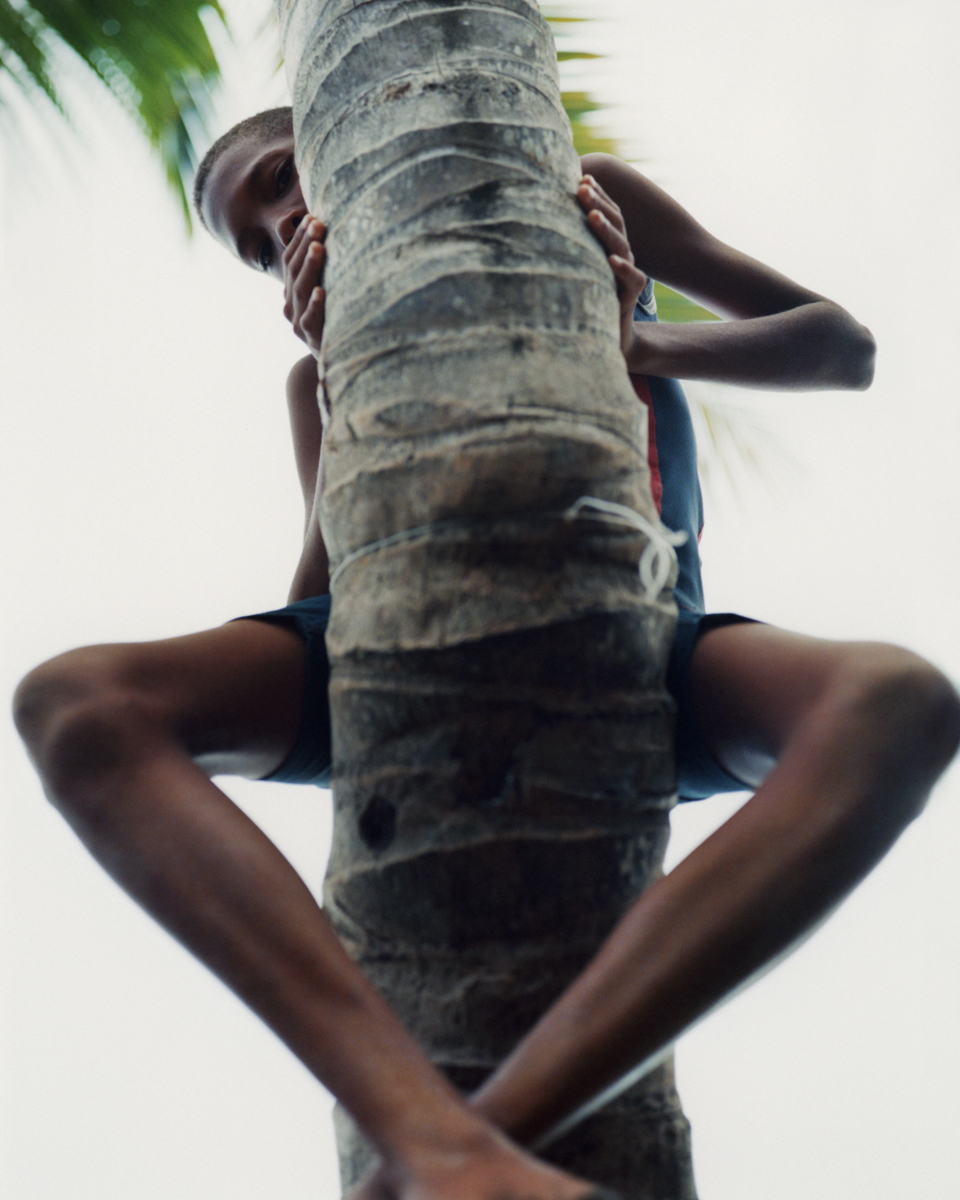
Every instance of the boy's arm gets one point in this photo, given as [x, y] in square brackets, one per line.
[306, 425]
[778, 333]
[312, 576]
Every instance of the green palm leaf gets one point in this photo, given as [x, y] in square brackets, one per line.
[153, 56]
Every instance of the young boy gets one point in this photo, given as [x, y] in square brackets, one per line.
[842, 741]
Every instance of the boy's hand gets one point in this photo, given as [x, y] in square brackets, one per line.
[606, 222]
[304, 297]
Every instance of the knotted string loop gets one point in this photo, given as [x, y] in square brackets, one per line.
[655, 562]
[658, 555]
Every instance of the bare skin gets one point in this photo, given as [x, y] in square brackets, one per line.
[777, 333]
[125, 739]
[844, 740]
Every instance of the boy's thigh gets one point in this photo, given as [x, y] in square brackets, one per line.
[751, 684]
[232, 696]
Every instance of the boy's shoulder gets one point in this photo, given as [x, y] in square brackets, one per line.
[618, 177]
[303, 380]
[306, 423]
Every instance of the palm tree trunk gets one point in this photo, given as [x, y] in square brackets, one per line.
[503, 761]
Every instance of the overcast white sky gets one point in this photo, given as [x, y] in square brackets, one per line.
[148, 490]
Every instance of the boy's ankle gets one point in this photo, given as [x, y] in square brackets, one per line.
[437, 1149]
[477, 1163]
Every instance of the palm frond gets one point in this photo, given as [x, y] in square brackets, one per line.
[588, 137]
[736, 443]
[21, 56]
[154, 57]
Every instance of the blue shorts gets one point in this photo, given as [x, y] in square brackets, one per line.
[310, 760]
[698, 773]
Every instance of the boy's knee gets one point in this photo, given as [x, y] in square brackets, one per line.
[74, 713]
[912, 698]
[909, 713]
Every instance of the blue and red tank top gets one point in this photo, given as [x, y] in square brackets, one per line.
[672, 451]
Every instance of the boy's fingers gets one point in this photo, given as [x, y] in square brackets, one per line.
[309, 274]
[591, 181]
[309, 232]
[294, 257]
[629, 275]
[594, 202]
[311, 323]
[587, 196]
[611, 211]
[295, 241]
[294, 293]
[595, 199]
[604, 199]
[613, 240]
[312, 320]
[304, 289]
[303, 273]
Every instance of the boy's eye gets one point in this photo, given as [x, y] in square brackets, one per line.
[284, 175]
[265, 255]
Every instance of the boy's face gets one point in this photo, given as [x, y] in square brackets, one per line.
[253, 202]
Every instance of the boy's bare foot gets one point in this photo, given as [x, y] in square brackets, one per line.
[497, 1170]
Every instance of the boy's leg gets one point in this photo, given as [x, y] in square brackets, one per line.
[125, 738]
[846, 741]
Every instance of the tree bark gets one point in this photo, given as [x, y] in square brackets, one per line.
[503, 766]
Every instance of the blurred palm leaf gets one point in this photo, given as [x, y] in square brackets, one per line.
[735, 443]
[154, 57]
[588, 138]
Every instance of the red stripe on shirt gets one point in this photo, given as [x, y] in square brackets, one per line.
[656, 483]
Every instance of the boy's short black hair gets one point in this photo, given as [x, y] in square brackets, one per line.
[272, 122]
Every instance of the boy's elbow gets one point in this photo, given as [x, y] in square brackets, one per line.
[854, 351]
[862, 359]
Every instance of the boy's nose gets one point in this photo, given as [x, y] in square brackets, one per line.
[287, 225]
